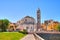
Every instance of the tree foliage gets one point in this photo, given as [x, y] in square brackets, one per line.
[58, 27]
[4, 24]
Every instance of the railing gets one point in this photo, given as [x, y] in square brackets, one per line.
[37, 37]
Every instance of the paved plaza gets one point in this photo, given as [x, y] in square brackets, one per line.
[28, 37]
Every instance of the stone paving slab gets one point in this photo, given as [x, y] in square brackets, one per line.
[28, 37]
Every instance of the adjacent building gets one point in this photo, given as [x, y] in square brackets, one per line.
[12, 27]
[50, 25]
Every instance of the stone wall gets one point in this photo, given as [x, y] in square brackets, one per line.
[48, 36]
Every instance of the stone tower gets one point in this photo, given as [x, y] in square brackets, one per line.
[38, 20]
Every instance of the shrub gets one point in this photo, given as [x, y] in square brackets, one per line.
[24, 31]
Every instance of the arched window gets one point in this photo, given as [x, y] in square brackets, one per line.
[25, 19]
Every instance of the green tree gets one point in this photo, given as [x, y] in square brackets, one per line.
[1, 25]
[58, 27]
[4, 24]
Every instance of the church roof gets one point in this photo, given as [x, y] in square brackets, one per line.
[29, 17]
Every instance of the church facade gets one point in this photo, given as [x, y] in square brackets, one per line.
[28, 23]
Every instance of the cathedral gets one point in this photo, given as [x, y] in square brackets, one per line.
[27, 23]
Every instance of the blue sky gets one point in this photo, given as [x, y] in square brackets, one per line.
[15, 10]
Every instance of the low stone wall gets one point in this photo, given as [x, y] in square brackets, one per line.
[49, 36]
[37, 37]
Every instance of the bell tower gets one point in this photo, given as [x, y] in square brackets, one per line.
[38, 19]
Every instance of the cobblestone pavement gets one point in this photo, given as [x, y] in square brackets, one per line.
[28, 37]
